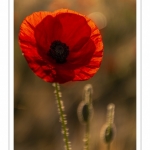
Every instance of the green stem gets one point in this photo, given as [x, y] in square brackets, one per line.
[108, 146]
[62, 116]
[86, 137]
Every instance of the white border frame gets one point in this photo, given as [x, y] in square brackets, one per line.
[145, 75]
[138, 74]
[4, 71]
[11, 75]
[7, 75]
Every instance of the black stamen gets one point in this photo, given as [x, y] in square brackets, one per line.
[59, 51]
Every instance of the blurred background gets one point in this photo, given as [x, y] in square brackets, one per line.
[36, 121]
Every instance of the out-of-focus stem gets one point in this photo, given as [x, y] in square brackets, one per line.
[88, 91]
[86, 136]
[108, 146]
[110, 120]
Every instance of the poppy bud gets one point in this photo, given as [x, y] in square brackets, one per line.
[108, 133]
[108, 130]
[85, 112]
[85, 108]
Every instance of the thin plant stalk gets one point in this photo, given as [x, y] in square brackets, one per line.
[62, 116]
[86, 136]
[108, 146]
[110, 120]
[88, 91]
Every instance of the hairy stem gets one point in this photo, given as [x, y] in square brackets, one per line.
[62, 116]
[86, 137]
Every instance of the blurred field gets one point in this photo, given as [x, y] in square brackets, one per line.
[36, 121]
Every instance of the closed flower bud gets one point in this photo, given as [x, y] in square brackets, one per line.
[85, 112]
[108, 133]
[108, 130]
[85, 108]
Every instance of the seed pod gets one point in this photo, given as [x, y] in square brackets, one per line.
[108, 130]
[108, 133]
[85, 112]
[85, 108]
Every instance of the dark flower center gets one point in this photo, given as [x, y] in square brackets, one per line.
[59, 51]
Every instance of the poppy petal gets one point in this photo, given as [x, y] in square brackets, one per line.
[74, 28]
[78, 58]
[28, 26]
[47, 31]
[41, 68]
[63, 75]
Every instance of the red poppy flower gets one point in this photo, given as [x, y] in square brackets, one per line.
[61, 46]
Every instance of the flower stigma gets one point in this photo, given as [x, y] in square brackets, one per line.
[59, 51]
